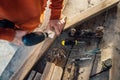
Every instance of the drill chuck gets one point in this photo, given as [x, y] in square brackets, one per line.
[34, 38]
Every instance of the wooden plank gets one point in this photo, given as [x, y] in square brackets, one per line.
[17, 69]
[115, 71]
[48, 71]
[57, 73]
[32, 74]
[52, 72]
[88, 12]
[37, 76]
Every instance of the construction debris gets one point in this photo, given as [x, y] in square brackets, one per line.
[56, 55]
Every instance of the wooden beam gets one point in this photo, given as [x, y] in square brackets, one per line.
[37, 76]
[57, 73]
[32, 75]
[89, 12]
[115, 70]
[48, 71]
[52, 72]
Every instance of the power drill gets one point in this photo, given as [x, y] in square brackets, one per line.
[29, 39]
[34, 38]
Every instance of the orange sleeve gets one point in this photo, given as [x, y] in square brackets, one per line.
[56, 7]
[7, 34]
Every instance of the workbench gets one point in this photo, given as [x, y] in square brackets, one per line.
[25, 57]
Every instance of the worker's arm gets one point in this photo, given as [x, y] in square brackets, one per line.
[56, 8]
[11, 35]
[55, 22]
[18, 37]
[7, 34]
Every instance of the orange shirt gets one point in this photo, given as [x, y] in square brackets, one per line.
[25, 14]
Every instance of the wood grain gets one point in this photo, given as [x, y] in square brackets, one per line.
[88, 12]
[48, 71]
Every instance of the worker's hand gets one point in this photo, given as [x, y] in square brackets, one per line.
[56, 25]
[18, 37]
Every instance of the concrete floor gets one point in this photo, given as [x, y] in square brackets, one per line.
[7, 51]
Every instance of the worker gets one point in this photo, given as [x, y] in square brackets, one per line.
[27, 15]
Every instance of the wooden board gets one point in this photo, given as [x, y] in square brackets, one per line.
[48, 71]
[37, 76]
[57, 73]
[115, 71]
[32, 75]
[52, 72]
[87, 13]
[25, 57]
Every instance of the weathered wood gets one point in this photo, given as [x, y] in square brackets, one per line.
[37, 76]
[115, 71]
[57, 73]
[88, 12]
[52, 72]
[48, 71]
[17, 69]
[32, 74]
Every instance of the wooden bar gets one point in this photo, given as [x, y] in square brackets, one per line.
[37, 76]
[57, 73]
[115, 70]
[32, 74]
[52, 72]
[89, 12]
[48, 71]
